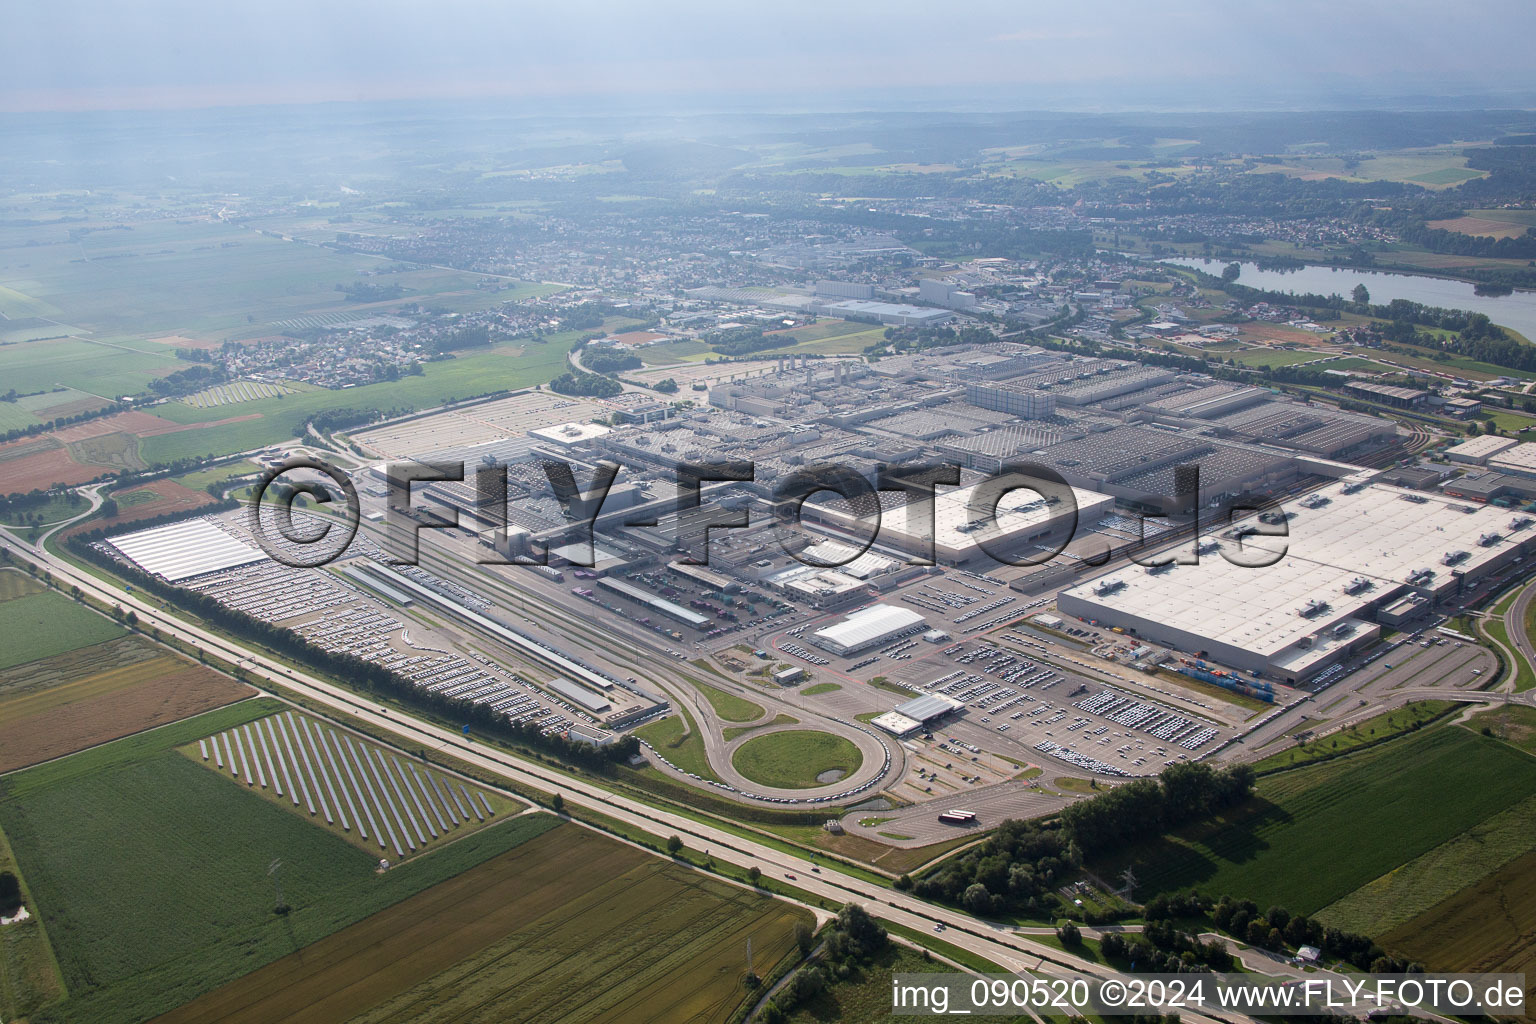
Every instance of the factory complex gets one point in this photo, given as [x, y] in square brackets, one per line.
[1356, 556]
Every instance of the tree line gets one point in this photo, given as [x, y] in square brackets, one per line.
[1019, 866]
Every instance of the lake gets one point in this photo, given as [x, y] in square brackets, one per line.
[1516, 311]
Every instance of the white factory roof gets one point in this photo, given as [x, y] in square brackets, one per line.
[182, 550]
[1020, 511]
[846, 559]
[1379, 535]
[1519, 459]
[1479, 449]
[578, 693]
[863, 626]
[566, 434]
[930, 705]
[895, 723]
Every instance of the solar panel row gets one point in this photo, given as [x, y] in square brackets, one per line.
[388, 799]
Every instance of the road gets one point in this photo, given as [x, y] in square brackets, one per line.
[996, 942]
[1514, 625]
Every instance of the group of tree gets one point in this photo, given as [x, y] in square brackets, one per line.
[1020, 865]
[585, 316]
[852, 939]
[361, 291]
[468, 336]
[1279, 930]
[741, 341]
[667, 386]
[914, 339]
[591, 385]
[59, 422]
[609, 360]
[346, 417]
[1161, 948]
[185, 382]
[10, 894]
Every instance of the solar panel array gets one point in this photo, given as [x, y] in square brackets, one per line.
[355, 785]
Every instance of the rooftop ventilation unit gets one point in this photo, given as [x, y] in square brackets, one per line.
[1453, 557]
[1488, 539]
[1313, 608]
[1356, 585]
[1104, 587]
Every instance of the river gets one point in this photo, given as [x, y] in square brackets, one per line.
[1516, 311]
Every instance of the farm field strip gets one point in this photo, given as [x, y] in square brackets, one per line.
[524, 938]
[44, 624]
[1465, 860]
[1423, 790]
[1487, 926]
[51, 709]
[319, 771]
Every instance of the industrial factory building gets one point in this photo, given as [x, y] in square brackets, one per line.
[1352, 549]
[868, 628]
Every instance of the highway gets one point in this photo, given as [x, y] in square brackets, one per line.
[996, 942]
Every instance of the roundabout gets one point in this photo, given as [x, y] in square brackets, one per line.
[796, 758]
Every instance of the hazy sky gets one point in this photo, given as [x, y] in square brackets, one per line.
[72, 54]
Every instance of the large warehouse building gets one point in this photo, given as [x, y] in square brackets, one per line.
[1351, 551]
[959, 531]
[180, 551]
[871, 627]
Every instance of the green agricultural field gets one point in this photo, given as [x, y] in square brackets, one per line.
[109, 370]
[201, 478]
[41, 625]
[1272, 357]
[150, 872]
[628, 938]
[1488, 926]
[1405, 719]
[155, 278]
[1396, 897]
[728, 706]
[29, 975]
[1447, 176]
[13, 416]
[15, 583]
[793, 758]
[503, 368]
[847, 343]
[1421, 791]
[674, 352]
